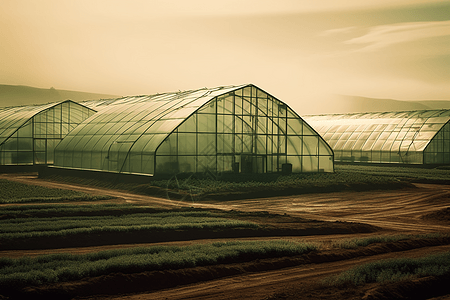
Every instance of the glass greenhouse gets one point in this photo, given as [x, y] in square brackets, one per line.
[227, 129]
[29, 134]
[413, 137]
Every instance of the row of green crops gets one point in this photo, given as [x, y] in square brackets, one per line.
[277, 182]
[345, 175]
[412, 173]
[55, 199]
[16, 211]
[394, 270]
[16, 192]
[27, 271]
[22, 228]
[362, 242]
[198, 185]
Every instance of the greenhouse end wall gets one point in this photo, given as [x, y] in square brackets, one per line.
[244, 131]
[438, 150]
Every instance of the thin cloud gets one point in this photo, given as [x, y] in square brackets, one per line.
[337, 31]
[380, 37]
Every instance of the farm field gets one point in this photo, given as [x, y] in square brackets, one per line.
[278, 247]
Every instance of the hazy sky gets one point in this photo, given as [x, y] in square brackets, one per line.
[297, 50]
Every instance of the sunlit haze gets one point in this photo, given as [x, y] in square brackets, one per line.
[303, 52]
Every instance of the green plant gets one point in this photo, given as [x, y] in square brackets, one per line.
[397, 172]
[362, 242]
[25, 228]
[52, 268]
[394, 270]
[203, 186]
[30, 210]
[16, 192]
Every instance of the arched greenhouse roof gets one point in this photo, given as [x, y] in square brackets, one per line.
[396, 132]
[12, 118]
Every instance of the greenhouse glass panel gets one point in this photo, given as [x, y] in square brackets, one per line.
[358, 145]
[148, 166]
[349, 145]
[86, 160]
[224, 143]
[206, 144]
[238, 143]
[295, 126]
[340, 144]
[10, 145]
[261, 144]
[294, 145]
[25, 144]
[187, 144]
[310, 164]
[310, 145]
[262, 125]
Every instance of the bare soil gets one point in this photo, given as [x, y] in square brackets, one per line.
[423, 208]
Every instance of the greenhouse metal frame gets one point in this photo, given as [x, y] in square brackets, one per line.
[409, 137]
[239, 129]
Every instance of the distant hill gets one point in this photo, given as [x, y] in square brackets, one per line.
[363, 104]
[352, 104]
[15, 95]
[436, 104]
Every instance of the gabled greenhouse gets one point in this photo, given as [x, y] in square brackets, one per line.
[239, 129]
[29, 134]
[412, 137]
